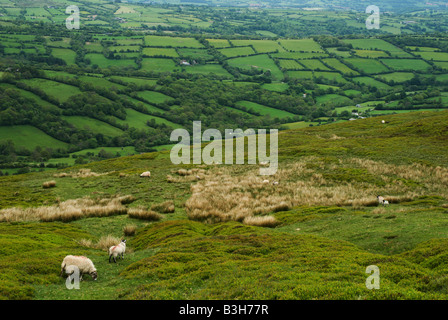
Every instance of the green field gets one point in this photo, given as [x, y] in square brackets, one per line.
[367, 65]
[314, 65]
[433, 56]
[262, 62]
[276, 86]
[219, 43]
[304, 45]
[237, 51]
[213, 68]
[29, 137]
[333, 99]
[289, 64]
[397, 76]
[102, 62]
[260, 46]
[264, 110]
[65, 54]
[378, 44]
[138, 120]
[406, 64]
[60, 91]
[158, 65]
[154, 97]
[93, 125]
[371, 54]
[300, 74]
[371, 82]
[160, 52]
[339, 66]
[175, 42]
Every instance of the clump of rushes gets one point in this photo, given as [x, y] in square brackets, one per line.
[261, 221]
[49, 184]
[143, 214]
[129, 230]
[164, 207]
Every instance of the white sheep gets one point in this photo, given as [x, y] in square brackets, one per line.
[146, 174]
[265, 181]
[275, 183]
[84, 264]
[380, 199]
[385, 203]
[117, 250]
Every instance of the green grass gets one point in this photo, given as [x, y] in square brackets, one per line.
[154, 97]
[219, 43]
[299, 55]
[289, 64]
[371, 54]
[65, 54]
[138, 120]
[367, 65]
[260, 46]
[262, 62]
[276, 86]
[339, 66]
[378, 44]
[397, 76]
[264, 110]
[433, 56]
[157, 65]
[29, 137]
[406, 64]
[300, 74]
[137, 81]
[213, 68]
[93, 125]
[371, 82]
[60, 91]
[334, 76]
[175, 42]
[317, 252]
[237, 51]
[162, 52]
[314, 65]
[102, 62]
[333, 99]
[305, 45]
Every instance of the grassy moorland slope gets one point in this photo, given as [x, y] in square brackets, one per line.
[326, 230]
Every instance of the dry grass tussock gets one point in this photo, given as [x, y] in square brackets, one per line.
[69, 210]
[164, 207]
[144, 214]
[49, 184]
[104, 243]
[82, 173]
[129, 230]
[228, 194]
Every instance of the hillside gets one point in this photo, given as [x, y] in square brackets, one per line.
[316, 232]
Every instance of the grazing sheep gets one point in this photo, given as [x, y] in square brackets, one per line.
[380, 199]
[275, 183]
[84, 264]
[145, 174]
[382, 121]
[117, 250]
[385, 203]
[265, 181]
